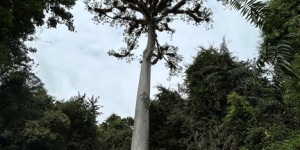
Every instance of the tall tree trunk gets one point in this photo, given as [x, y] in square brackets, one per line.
[140, 137]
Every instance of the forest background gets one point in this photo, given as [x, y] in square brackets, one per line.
[240, 113]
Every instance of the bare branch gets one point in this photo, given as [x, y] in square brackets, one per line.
[145, 11]
[119, 55]
[173, 9]
[133, 7]
[154, 61]
[178, 5]
[154, 3]
[122, 9]
[102, 11]
[166, 27]
[161, 5]
[131, 19]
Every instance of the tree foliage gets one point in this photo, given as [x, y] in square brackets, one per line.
[275, 51]
[115, 133]
[166, 121]
[19, 21]
[31, 119]
[227, 107]
[253, 10]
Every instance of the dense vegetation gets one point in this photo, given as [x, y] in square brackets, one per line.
[224, 103]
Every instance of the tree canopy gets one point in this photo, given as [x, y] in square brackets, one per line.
[19, 22]
[136, 16]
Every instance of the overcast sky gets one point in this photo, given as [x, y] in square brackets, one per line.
[78, 62]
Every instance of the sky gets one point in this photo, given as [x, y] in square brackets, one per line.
[77, 62]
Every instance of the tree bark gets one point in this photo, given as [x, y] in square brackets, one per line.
[140, 137]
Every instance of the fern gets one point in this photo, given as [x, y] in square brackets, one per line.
[6, 134]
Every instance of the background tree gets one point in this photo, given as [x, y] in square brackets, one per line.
[277, 52]
[285, 17]
[115, 133]
[166, 119]
[147, 17]
[22, 98]
[48, 132]
[213, 75]
[224, 96]
[82, 112]
[29, 118]
[67, 125]
[19, 21]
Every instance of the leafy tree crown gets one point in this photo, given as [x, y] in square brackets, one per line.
[138, 15]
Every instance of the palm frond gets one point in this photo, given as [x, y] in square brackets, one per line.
[280, 56]
[253, 10]
[284, 53]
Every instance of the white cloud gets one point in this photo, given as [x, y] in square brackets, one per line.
[78, 62]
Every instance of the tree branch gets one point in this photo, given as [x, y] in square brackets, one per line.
[173, 10]
[144, 10]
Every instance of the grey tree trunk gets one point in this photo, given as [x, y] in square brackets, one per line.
[140, 137]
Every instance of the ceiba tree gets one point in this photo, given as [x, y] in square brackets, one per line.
[147, 17]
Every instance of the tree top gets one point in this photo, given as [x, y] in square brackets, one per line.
[137, 15]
